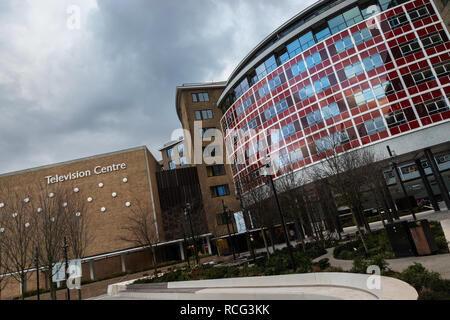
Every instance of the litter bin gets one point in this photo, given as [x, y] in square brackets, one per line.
[422, 237]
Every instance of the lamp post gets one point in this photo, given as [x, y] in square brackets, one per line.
[399, 180]
[226, 216]
[286, 238]
[185, 250]
[36, 263]
[65, 246]
[187, 213]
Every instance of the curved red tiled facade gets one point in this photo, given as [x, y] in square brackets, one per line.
[378, 103]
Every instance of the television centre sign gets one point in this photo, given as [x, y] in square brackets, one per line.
[87, 173]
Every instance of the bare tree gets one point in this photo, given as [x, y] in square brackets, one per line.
[3, 265]
[255, 198]
[50, 219]
[78, 231]
[140, 229]
[17, 233]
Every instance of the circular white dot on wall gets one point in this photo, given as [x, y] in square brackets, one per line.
[89, 199]
[2, 205]
[76, 190]
[52, 219]
[27, 225]
[78, 214]
[127, 203]
[26, 200]
[125, 180]
[103, 209]
[14, 214]
[39, 210]
[65, 204]
[114, 194]
[2, 230]
[100, 185]
[51, 195]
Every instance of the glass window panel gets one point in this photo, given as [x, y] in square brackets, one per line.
[298, 68]
[370, 11]
[322, 35]
[337, 24]
[306, 41]
[293, 48]
[270, 64]
[281, 106]
[352, 16]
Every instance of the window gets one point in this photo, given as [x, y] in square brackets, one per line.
[269, 113]
[296, 155]
[202, 131]
[239, 110]
[362, 36]
[343, 44]
[410, 47]
[372, 62]
[221, 219]
[337, 24]
[241, 88]
[200, 97]
[203, 114]
[170, 153]
[398, 21]
[394, 119]
[314, 117]
[370, 11]
[220, 191]
[266, 67]
[283, 160]
[281, 106]
[374, 125]
[182, 161]
[180, 148]
[353, 70]
[247, 103]
[313, 60]
[352, 16]
[436, 106]
[423, 75]
[408, 169]
[431, 40]
[418, 13]
[323, 144]
[217, 170]
[386, 4]
[364, 97]
[254, 123]
[263, 91]
[275, 136]
[298, 68]
[275, 83]
[306, 92]
[172, 165]
[304, 42]
[288, 130]
[340, 138]
[321, 85]
[330, 111]
[323, 34]
[384, 89]
[442, 69]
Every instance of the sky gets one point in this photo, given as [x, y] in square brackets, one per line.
[73, 88]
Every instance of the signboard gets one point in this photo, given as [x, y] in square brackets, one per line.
[59, 270]
[240, 222]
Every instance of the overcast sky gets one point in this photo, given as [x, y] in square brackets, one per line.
[110, 85]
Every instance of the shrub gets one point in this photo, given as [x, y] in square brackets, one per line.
[324, 263]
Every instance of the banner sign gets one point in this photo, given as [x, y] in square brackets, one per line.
[240, 222]
[59, 270]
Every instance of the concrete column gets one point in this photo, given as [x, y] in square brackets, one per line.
[181, 251]
[427, 185]
[91, 270]
[58, 284]
[438, 177]
[122, 261]
[208, 242]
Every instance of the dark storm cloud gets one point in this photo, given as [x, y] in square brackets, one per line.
[66, 94]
